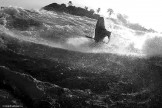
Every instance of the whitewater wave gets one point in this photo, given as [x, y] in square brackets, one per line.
[68, 32]
[18, 18]
[153, 46]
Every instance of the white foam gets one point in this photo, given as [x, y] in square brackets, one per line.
[153, 46]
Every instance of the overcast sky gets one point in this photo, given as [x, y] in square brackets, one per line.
[146, 12]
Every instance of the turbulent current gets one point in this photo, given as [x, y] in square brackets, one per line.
[47, 59]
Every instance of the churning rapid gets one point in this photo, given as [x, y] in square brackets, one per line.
[68, 32]
[42, 48]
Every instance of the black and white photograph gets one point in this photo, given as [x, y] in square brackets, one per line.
[80, 54]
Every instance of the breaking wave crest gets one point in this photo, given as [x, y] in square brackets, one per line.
[18, 18]
[68, 32]
[153, 46]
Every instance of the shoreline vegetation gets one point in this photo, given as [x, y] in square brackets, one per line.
[90, 13]
[72, 10]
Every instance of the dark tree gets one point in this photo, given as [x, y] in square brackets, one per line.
[110, 11]
[86, 8]
[92, 11]
[98, 10]
[70, 3]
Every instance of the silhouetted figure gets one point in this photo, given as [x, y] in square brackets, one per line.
[100, 31]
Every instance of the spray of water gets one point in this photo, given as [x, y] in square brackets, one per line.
[123, 41]
[153, 46]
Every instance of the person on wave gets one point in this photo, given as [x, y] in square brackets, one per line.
[100, 31]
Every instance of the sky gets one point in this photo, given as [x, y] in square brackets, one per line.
[145, 12]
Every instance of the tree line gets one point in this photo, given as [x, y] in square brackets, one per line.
[72, 10]
[75, 10]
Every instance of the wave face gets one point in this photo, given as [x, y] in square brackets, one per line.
[68, 32]
[19, 18]
[49, 52]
